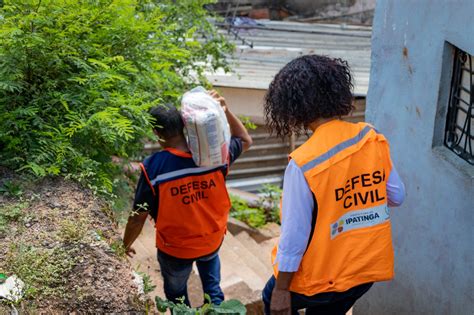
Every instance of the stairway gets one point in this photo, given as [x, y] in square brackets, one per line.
[246, 267]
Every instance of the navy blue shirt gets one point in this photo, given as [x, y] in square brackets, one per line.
[168, 161]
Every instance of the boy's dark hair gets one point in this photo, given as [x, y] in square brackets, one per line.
[308, 88]
[167, 120]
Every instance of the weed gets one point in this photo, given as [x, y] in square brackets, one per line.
[44, 271]
[117, 247]
[72, 231]
[148, 285]
[10, 213]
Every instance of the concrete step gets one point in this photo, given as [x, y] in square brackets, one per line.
[247, 196]
[250, 298]
[238, 263]
[249, 256]
[278, 169]
[260, 159]
[253, 184]
[262, 251]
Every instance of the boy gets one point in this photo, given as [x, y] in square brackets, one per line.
[189, 204]
[335, 235]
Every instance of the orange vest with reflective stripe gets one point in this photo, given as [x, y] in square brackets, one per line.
[346, 166]
[193, 205]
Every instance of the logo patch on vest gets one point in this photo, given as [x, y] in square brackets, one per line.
[360, 219]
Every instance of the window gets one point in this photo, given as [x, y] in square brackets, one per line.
[459, 133]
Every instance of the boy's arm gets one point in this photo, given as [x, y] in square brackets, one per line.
[237, 129]
[134, 226]
[145, 201]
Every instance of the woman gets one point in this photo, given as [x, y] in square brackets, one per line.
[335, 234]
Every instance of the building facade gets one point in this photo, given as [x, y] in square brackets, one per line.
[421, 97]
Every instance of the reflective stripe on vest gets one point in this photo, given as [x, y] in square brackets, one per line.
[346, 166]
[193, 205]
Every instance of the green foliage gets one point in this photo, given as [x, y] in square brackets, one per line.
[241, 210]
[265, 210]
[227, 307]
[44, 271]
[270, 196]
[10, 213]
[247, 122]
[72, 231]
[78, 77]
[11, 189]
[148, 285]
[117, 247]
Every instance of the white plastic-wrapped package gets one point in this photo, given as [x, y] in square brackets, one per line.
[208, 133]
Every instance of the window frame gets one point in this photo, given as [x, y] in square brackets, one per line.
[458, 137]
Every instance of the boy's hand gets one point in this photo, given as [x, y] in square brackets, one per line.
[130, 252]
[215, 95]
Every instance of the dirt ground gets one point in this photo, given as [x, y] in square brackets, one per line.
[62, 242]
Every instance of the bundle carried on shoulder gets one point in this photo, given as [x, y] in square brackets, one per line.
[208, 132]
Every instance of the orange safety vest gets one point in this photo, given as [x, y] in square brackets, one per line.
[346, 166]
[193, 205]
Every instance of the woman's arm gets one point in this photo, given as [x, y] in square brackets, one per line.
[395, 189]
[297, 213]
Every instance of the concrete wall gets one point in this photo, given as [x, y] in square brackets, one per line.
[409, 87]
[246, 102]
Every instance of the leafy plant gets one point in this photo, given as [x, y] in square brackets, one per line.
[148, 285]
[10, 213]
[270, 196]
[117, 247]
[11, 188]
[226, 307]
[248, 123]
[265, 210]
[242, 211]
[77, 79]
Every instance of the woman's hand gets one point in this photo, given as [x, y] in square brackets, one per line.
[280, 302]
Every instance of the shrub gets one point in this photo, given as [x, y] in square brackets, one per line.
[77, 79]
[257, 214]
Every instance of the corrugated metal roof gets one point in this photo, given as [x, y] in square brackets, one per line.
[274, 43]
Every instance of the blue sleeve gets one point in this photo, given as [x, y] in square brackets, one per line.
[235, 149]
[395, 189]
[297, 213]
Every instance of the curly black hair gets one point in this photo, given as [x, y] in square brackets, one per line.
[308, 88]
